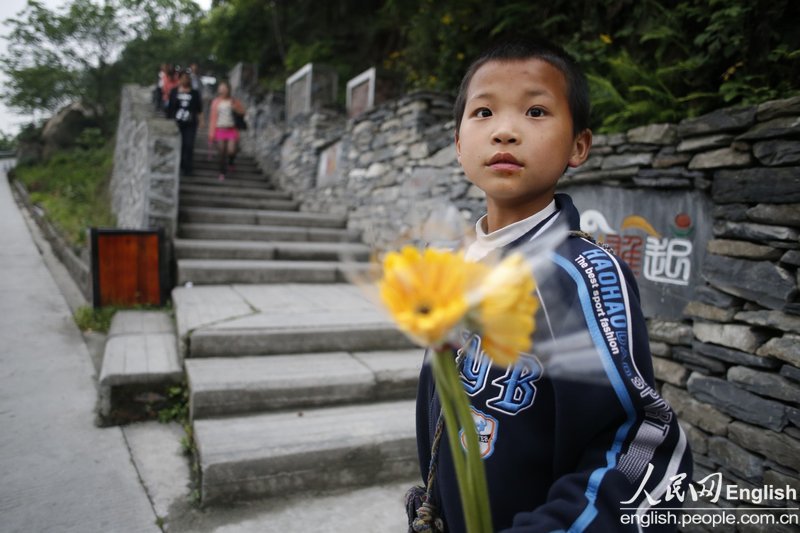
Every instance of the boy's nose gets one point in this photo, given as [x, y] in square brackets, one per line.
[505, 134]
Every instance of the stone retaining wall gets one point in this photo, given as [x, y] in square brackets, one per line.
[76, 262]
[728, 360]
[144, 183]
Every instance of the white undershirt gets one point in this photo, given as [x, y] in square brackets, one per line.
[485, 243]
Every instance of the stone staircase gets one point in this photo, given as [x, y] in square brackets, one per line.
[297, 382]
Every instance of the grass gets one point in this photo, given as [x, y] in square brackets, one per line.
[72, 188]
[90, 319]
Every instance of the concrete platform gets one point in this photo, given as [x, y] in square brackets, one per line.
[218, 215]
[141, 348]
[221, 387]
[280, 453]
[140, 359]
[265, 233]
[279, 319]
[300, 251]
[129, 322]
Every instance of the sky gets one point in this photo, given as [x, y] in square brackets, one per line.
[10, 121]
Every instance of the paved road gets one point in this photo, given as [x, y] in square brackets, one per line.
[59, 472]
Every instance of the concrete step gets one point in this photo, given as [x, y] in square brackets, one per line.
[203, 161]
[203, 151]
[228, 183]
[219, 215]
[231, 386]
[318, 333]
[237, 202]
[265, 233]
[218, 189]
[202, 172]
[303, 251]
[221, 271]
[278, 453]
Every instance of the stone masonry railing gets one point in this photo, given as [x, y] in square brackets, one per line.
[707, 212]
[144, 184]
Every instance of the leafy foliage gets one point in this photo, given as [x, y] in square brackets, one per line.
[646, 60]
[7, 142]
[72, 186]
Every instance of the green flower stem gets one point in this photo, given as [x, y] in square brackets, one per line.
[445, 393]
[469, 469]
[475, 469]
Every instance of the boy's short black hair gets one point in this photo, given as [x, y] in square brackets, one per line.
[518, 49]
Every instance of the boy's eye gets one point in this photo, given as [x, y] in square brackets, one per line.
[535, 112]
[483, 112]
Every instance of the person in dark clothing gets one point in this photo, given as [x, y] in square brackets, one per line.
[186, 107]
[574, 437]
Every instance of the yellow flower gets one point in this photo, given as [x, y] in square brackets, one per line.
[429, 293]
[506, 309]
[426, 292]
[606, 38]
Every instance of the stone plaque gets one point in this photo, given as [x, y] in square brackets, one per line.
[311, 87]
[298, 97]
[360, 99]
[662, 235]
[242, 78]
[369, 89]
[361, 93]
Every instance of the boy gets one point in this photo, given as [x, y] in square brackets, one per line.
[562, 452]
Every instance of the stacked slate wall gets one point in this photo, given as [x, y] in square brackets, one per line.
[712, 227]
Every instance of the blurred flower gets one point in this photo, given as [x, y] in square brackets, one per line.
[506, 309]
[606, 38]
[429, 293]
[426, 292]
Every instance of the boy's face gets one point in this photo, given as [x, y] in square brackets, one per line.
[516, 135]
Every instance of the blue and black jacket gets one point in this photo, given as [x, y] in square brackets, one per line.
[574, 436]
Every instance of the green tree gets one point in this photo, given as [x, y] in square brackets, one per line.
[58, 56]
[280, 36]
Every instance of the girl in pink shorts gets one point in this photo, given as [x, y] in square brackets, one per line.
[222, 127]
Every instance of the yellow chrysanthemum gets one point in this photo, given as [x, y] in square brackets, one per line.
[427, 292]
[506, 309]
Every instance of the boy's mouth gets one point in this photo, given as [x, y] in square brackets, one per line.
[504, 162]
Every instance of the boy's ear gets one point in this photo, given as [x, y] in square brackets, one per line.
[458, 147]
[580, 148]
